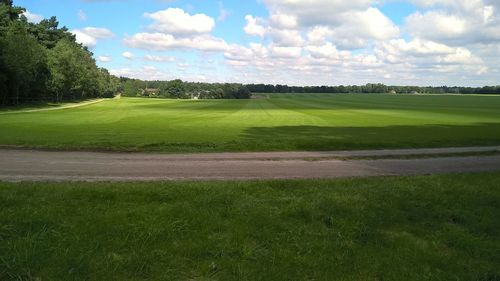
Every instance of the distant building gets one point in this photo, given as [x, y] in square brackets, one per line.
[150, 92]
[199, 94]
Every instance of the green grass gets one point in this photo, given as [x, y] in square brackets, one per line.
[394, 228]
[282, 123]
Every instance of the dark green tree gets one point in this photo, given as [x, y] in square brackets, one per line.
[74, 74]
[175, 89]
[48, 32]
[24, 63]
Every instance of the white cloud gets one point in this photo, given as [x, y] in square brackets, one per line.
[328, 51]
[351, 29]
[176, 21]
[175, 29]
[417, 53]
[163, 42]
[104, 58]
[254, 27]
[89, 36]
[436, 25]
[284, 21]
[319, 35]
[145, 73]
[317, 12]
[458, 22]
[286, 52]
[128, 55]
[286, 37]
[159, 58]
[358, 27]
[34, 18]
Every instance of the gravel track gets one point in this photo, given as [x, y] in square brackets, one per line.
[35, 165]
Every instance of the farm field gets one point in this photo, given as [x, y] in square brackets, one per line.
[306, 122]
[387, 228]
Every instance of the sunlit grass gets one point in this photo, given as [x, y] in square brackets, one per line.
[283, 122]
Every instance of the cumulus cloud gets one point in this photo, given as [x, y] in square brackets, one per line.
[254, 27]
[31, 17]
[284, 21]
[317, 12]
[89, 36]
[128, 55]
[286, 52]
[145, 73]
[328, 51]
[458, 22]
[286, 37]
[418, 53]
[436, 25]
[359, 27]
[351, 29]
[177, 22]
[163, 42]
[173, 28]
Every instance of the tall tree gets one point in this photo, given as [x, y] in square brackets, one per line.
[175, 89]
[48, 32]
[23, 60]
[13, 12]
[74, 74]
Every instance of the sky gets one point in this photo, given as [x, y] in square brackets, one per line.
[294, 42]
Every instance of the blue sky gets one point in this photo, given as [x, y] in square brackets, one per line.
[410, 42]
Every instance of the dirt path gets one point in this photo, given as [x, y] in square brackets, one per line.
[30, 165]
[54, 108]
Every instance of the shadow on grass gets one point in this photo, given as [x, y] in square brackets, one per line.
[335, 138]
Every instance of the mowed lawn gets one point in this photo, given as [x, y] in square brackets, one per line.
[281, 122]
[394, 228]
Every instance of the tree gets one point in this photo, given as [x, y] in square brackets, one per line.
[243, 93]
[12, 12]
[40, 61]
[175, 89]
[48, 33]
[74, 74]
[24, 61]
[108, 84]
[132, 87]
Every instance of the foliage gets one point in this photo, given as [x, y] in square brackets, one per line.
[43, 62]
[24, 65]
[277, 122]
[177, 89]
[390, 228]
[174, 89]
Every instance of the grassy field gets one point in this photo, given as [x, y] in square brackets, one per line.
[283, 122]
[395, 228]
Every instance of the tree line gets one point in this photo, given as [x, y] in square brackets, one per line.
[178, 89]
[42, 61]
[371, 89]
